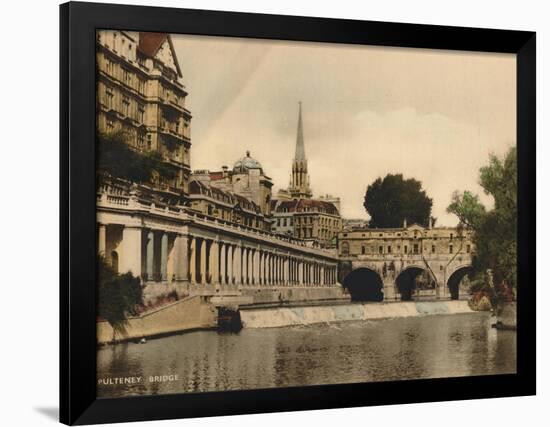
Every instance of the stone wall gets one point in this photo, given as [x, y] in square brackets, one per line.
[296, 294]
[187, 314]
[289, 316]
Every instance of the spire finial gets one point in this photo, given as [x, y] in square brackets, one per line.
[247, 153]
[300, 149]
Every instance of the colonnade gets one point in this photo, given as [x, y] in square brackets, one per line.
[161, 256]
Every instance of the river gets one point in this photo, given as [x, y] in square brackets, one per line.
[357, 351]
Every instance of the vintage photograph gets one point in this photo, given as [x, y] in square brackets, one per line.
[276, 213]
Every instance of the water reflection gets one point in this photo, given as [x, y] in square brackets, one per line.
[425, 347]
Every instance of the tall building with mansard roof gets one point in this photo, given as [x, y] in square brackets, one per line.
[140, 93]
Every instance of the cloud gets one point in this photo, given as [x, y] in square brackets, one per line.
[368, 111]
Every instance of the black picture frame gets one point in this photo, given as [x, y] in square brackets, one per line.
[78, 23]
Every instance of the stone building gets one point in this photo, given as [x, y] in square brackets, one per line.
[139, 92]
[316, 221]
[402, 263]
[247, 178]
[242, 194]
[207, 233]
[296, 212]
[214, 201]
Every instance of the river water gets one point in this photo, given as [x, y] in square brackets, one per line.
[358, 351]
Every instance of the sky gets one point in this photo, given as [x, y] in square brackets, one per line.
[367, 111]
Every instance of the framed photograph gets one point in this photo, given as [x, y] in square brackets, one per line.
[267, 213]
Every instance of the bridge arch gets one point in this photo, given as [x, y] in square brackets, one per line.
[364, 284]
[412, 278]
[453, 282]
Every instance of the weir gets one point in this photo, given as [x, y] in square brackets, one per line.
[308, 315]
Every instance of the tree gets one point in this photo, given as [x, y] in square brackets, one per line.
[391, 200]
[494, 231]
[116, 158]
[119, 295]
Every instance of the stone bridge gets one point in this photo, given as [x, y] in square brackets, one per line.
[405, 277]
[412, 262]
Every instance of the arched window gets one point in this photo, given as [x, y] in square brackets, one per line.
[345, 248]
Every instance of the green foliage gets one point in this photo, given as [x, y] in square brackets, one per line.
[118, 159]
[118, 295]
[495, 231]
[393, 199]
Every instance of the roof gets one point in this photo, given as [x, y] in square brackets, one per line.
[305, 205]
[200, 188]
[150, 43]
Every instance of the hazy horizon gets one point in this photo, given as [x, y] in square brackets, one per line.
[367, 111]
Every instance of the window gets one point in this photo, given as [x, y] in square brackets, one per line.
[450, 249]
[468, 249]
[345, 248]
[284, 222]
[110, 67]
[433, 249]
[415, 248]
[389, 249]
[149, 141]
[380, 249]
[110, 124]
[406, 249]
[127, 77]
[141, 85]
[126, 106]
[109, 97]
[451, 236]
[140, 140]
[141, 113]
[363, 250]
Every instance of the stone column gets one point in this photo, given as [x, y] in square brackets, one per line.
[237, 252]
[322, 276]
[261, 268]
[223, 271]
[129, 257]
[268, 269]
[257, 266]
[230, 255]
[181, 258]
[300, 272]
[164, 257]
[214, 263]
[202, 264]
[150, 255]
[193, 260]
[101, 239]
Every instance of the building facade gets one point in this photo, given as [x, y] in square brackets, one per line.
[140, 93]
[316, 221]
[213, 238]
[296, 212]
[405, 263]
[219, 203]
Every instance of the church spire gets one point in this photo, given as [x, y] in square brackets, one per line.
[299, 186]
[300, 149]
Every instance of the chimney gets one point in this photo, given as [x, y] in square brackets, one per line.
[405, 223]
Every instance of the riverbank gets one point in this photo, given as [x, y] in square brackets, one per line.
[308, 315]
[195, 313]
[187, 314]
